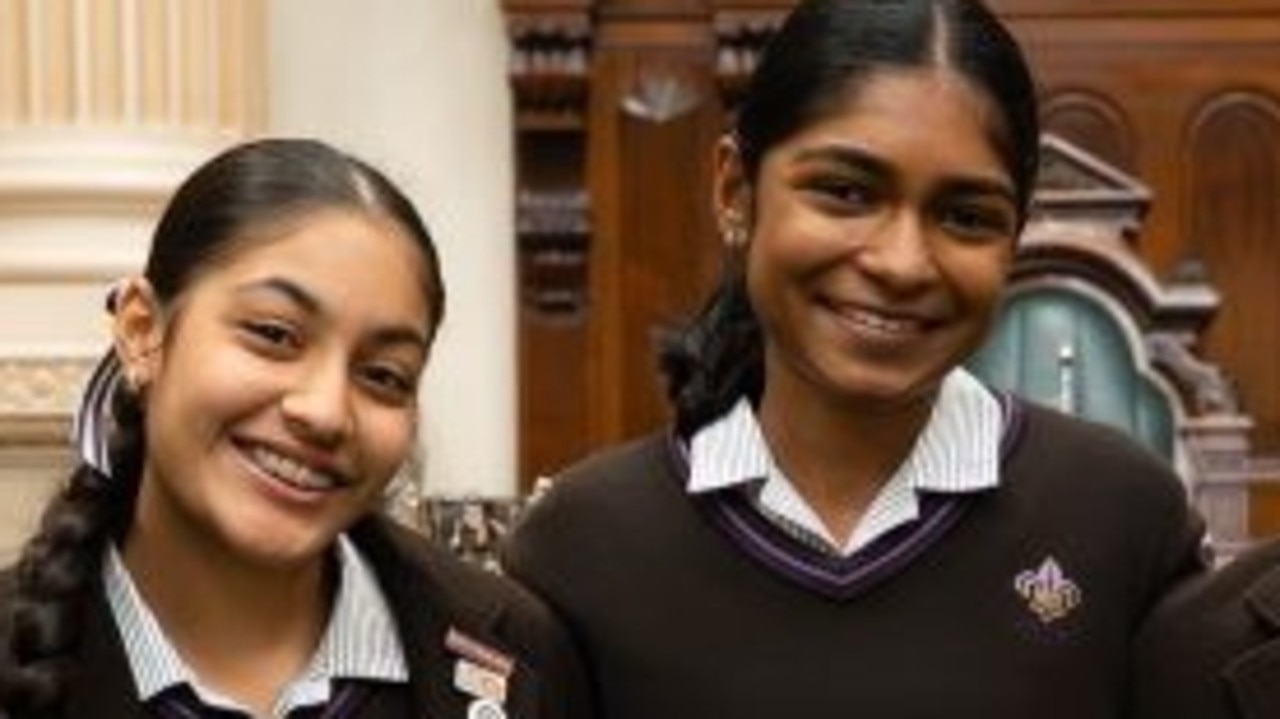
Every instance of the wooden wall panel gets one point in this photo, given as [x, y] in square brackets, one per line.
[1093, 123]
[550, 71]
[656, 119]
[1232, 153]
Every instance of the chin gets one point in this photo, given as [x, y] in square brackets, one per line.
[280, 543]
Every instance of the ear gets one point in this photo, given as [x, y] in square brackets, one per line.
[731, 193]
[138, 330]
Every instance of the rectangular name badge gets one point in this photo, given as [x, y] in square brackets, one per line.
[481, 670]
[480, 682]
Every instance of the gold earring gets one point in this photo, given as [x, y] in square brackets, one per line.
[732, 230]
[133, 380]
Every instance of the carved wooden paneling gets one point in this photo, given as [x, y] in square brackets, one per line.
[656, 117]
[1093, 123]
[1140, 8]
[1213, 168]
[551, 65]
[1232, 149]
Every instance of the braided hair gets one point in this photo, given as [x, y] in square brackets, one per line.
[209, 217]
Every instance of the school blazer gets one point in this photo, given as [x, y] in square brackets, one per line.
[430, 592]
[1212, 649]
[1253, 674]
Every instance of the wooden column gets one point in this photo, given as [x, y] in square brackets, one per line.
[655, 116]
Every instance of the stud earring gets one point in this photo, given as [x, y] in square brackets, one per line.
[134, 380]
[733, 232]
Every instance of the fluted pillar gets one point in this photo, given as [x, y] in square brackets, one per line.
[104, 106]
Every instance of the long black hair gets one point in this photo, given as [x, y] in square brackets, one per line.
[825, 51]
[210, 217]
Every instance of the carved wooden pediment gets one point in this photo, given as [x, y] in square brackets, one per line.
[1086, 217]
[1075, 185]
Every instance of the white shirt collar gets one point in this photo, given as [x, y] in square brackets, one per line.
[360, 641]
[957, 452]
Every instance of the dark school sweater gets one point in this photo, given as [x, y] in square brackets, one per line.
[1013, 603]
[430, 592]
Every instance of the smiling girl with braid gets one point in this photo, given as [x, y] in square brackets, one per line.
[220, 551]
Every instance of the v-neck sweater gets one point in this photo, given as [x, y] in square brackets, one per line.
[1021, 602]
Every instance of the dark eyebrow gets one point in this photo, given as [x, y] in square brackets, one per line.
[848, 156]
[278, 285]
[310, 304]
[856, 158]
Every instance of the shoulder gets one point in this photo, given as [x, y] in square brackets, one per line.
[8, 587]
[602, 492]
[1089, 457]
[1096, 484]
[629, 475]
[1222, 612]
[442, 590]
[621, 462]
[453, 583]
[1203, 637]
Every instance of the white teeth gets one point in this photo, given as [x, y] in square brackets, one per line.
[291, 471]
[881, 322]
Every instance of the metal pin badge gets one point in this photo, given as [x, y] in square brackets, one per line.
[479, 681]
[485, 709]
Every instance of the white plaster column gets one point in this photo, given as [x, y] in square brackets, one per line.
[419, 89]
[105, 105]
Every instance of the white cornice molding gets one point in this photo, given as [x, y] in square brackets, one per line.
[90, 170]
[37, 395]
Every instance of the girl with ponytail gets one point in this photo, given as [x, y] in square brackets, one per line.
[842, 521]
[219, 551]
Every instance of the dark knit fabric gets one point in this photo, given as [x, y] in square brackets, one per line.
[430, 592]
[1211, 650]
[1024, 606]
[348, 700]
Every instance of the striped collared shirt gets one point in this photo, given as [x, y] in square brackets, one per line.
[957, 452]
[360, 641]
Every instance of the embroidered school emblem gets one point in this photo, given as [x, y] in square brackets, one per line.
[1049, 593]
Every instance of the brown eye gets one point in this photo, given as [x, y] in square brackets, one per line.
[976, 221]
[272, 336]
[389, 383]
[845, 194]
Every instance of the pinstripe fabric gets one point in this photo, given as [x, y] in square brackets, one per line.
[360, 642]
[958, 452]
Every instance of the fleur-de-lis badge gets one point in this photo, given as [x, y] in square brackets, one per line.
[1048, 591]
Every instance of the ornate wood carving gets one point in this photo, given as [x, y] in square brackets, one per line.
[550, 67]
[1077, 185]
[37, 395]
[1092, 123]
[554, 232]
[1084, 218]
[740, 38]
[1234, 171]
[550, 71]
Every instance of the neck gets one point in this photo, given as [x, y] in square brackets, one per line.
[245, 630]
[837, 454]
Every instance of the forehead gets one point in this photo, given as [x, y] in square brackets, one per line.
[345, 254]
[933, 109]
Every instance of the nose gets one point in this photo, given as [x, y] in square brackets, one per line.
[318, 406]
[898, 253]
